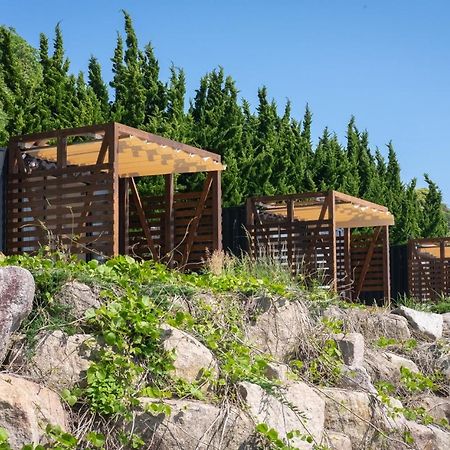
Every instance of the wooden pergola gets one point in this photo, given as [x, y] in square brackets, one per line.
[312, 234]
[78, 187]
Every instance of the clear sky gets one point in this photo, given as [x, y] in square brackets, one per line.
[385, 61]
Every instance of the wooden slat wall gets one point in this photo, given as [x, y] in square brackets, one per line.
[69, 207]
[184, 205]
[374, 280]
[307, 244]
[428, 275]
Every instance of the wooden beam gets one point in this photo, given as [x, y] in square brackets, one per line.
[169, 216]
[192, 228]
[359, 201]
[386, 265]
[217, 210]
[104, 148]
[124, 215]
[332, 216]
[61, 152]
[113, 146]
[367, 260]
[290, 249]
[143, 219]
[348, 262]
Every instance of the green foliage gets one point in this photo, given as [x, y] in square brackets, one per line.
[275, 442]
[265, 152]
[415, 381]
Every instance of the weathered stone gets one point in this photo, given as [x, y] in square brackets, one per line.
[351, 346]
[16, 301]
[78, 297]
[441, 438]
[357, 378]
[280, 372]
[58, 360]
[348, 412]
[437, 407]
[423, 436]
[192, 358]
[446, 325]
[372, 323]
[337, 441]
[278, 327]
[306, 414]
[26, 408]
[194, 425]
[386, 365]
[443, 362]
[429, 324]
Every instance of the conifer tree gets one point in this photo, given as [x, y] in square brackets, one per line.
[433, 222]
[98, 87]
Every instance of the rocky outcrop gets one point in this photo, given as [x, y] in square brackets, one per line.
[58, 360]
[16, 300]
[192, 358]
[372, 324]
[337, 441]
[78, 298]
[26, 408]
[428, 324]
[296, 407]
[194, 425]
[351, 346]
[278, 327]
[383, 365]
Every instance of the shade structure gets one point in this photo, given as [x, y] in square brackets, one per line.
[311, 233]
[76, 188]
[349, 211]
[139, 157]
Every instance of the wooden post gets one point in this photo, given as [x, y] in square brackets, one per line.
[290, 230]
[124, 214]
[442, 266]
[332, 217]
[61, 152]
[113, 150]
[348, 262]
[169, 218]
[217, 210]
[386, 265]
[249, 223]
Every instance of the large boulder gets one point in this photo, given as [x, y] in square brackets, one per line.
[357, 378]
[16, 301]
[382, 365]
[192, 358]
[337, 441]
[78, 298]
[446, 325]
[278, 327]
[426, 323]
[349, 412]
[295, 407]
[437, 407]
[194, 425]
[26, 408]
[372, 323]
[57, 360]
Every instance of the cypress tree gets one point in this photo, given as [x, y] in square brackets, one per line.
[98, 87]
[433, 222]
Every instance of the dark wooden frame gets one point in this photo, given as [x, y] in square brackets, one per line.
[362, 268]
[123, 193]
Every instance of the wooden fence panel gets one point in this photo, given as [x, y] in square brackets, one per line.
[68, 208]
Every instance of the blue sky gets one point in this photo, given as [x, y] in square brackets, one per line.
[385, 61]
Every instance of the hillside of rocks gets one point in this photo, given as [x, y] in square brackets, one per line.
[131, 355]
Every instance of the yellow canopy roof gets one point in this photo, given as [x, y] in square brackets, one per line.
[138, 157]
[349, 212]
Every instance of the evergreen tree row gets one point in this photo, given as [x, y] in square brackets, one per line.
[266, 153]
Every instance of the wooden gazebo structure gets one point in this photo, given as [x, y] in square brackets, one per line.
[313, 234]
[429, 268]
[77, 187]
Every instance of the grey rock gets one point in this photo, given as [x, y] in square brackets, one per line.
[351, 346]
[300, 408]
[280, 372]
[26, 408]
[194, 425]
[57, 360]
[279, 327]
[437, 407]
[338, 441]
[16, 299]
[446, 325]
[426, 323]
[78, 297]
[192, 358]
[357, 378]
